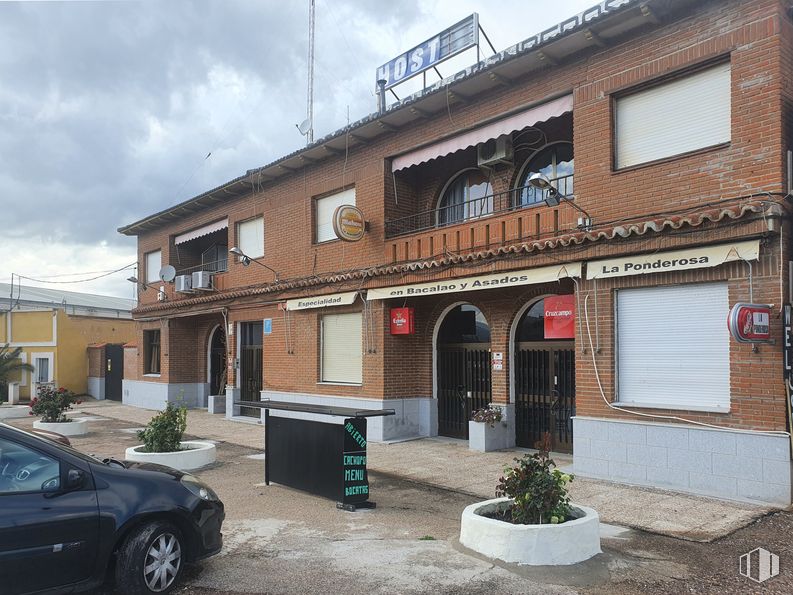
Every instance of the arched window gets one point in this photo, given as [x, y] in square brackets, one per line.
[555, 162]
[468, 196]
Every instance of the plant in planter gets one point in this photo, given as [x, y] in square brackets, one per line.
[533, 521]
[51, 405]
[163, 444]
[487, 431]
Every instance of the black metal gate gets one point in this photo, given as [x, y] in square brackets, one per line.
[251, 378]
[114, 371]
[545, 394]
[463, 386]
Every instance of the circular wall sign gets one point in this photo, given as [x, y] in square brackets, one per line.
[348, 223]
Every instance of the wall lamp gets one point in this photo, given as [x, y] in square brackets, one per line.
[246, 260]
[144, 286]
[554, 199]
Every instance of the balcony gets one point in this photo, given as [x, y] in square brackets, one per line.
[480, 224]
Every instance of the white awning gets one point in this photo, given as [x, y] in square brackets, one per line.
[491, 281]
[201, 231]
[675, 260]
[518, 121]
[322, 301]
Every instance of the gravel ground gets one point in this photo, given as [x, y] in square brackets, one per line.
[278, 540]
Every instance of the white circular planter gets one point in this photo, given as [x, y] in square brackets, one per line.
[14, 411]
[536, 545]
[194, 454]
[75, 427]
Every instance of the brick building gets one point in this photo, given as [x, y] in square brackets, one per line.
[594, 310]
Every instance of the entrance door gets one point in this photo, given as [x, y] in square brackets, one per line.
[463, 369]
[251, 365]
[114, 371]
[544, 384]
[217, 362]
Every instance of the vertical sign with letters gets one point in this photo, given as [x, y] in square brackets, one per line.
[356, 480]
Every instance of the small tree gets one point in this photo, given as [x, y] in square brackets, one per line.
[10, 362]
[164, 431]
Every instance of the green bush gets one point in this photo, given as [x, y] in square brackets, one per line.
[164, 431]
[538, 490]
[51, 404]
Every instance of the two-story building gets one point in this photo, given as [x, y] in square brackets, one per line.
[560, 229]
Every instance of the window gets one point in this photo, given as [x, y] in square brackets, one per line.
[250, 237]
[324, 209]
[42, 364]
[342, 359]
[468, 196]
[673, 347]
[151, 352]
[27, 470]
[683, 115]
[555, 162]
[153, 266]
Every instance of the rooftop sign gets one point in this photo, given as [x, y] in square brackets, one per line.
[435, 50]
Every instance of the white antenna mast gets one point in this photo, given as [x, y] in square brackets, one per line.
[310, 114]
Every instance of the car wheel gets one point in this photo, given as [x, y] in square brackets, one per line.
[150, 560]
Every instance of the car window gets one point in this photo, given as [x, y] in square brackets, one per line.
[23, 469]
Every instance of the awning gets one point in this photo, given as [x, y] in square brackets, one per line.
[491, 281]
[201, 231]
[322, 301]
[518, 121]
[675, 260]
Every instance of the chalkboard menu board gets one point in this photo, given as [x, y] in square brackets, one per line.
[356, 481]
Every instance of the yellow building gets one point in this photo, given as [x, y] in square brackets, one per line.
[55, 330]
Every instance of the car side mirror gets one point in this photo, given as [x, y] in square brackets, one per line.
[74, 479]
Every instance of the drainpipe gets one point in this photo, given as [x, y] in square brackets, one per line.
[381, 96]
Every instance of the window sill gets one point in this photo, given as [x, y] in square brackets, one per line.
[694, 408]
[327, 383]
[151, 375]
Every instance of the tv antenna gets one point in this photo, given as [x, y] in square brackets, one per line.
[306, 128]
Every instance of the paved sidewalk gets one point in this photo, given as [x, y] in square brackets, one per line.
[449, 464]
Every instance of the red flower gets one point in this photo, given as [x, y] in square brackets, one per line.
[30, 413]
[79, 402]
[61, 390]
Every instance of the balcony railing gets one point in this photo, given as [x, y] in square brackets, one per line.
[217, 266]
[493, 204]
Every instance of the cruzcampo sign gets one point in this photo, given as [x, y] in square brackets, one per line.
[674, 260]
[491, 281]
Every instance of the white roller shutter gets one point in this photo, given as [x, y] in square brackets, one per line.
[153, 266]
[673, 347]
[683, 115]
[342, 359]
[250, 235]
[325, 208]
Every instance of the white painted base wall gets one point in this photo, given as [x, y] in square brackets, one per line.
[155, 395]
[722, 463]
[96, 387]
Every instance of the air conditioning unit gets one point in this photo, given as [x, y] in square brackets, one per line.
[184, 284]
[495, 151]
[202, 280]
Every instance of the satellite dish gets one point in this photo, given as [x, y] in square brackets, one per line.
[304, 126]
[167, 273]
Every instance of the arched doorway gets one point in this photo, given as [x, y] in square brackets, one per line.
[544, 376]
[462, 350]
[217, 361]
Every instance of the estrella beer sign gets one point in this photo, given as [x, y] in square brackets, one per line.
[402, 321]
[348, 223]
[750, 323]
[559, 317]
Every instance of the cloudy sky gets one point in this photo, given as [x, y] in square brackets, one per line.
[110, 111]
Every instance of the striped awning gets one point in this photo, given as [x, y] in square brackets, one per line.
[201, 231]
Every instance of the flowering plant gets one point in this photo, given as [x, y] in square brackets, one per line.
[490, 415]
[51, 404]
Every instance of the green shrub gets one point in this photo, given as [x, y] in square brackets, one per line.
[538, 490]
[164, 431]
[51, 404]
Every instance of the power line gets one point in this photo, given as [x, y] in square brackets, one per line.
[107, 274]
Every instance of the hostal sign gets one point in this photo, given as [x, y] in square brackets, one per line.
[348, 223]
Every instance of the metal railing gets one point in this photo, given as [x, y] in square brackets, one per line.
[217, 266]
[492, 204]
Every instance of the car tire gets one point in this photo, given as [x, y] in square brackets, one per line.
[150, 560]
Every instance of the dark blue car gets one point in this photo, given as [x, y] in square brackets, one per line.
[66, 519]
